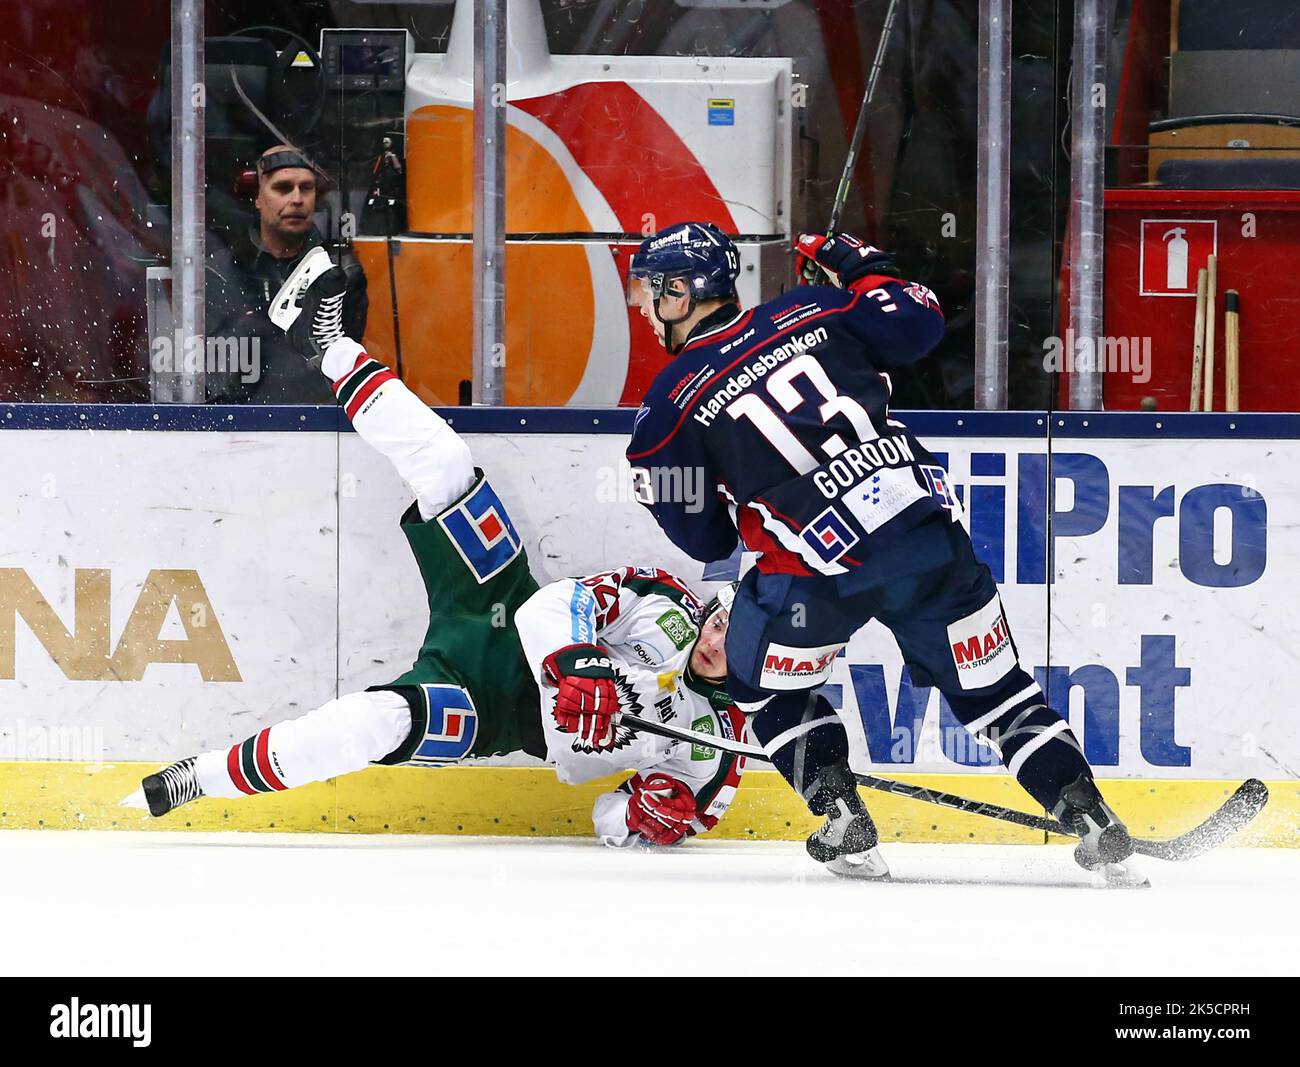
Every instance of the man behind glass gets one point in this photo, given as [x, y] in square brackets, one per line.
[249, 360]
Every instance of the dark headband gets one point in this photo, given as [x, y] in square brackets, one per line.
[273, 161]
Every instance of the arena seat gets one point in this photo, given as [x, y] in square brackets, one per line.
[1222, 138]
[1234, 96]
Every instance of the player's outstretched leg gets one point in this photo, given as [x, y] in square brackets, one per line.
[428, 454]
[807, 743]
[340, 736]
[953, 633]
[1041, 751]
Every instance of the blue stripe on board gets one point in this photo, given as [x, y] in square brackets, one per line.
[205, 417]
[287, 418]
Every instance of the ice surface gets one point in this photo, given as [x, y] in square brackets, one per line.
[105, 903]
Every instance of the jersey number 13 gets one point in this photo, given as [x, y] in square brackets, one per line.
[780, 386]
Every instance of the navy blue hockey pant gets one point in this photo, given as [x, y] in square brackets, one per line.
[786, 630]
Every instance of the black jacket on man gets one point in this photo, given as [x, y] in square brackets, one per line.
[239, 286]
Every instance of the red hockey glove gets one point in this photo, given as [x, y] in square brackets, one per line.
[661, 809]
[842, 258]
[587, 701]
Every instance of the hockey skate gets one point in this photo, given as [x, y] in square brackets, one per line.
[309, 305]
[171, 787]
[846, 845]
[1105, 846]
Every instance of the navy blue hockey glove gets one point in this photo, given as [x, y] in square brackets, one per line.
[841, 258]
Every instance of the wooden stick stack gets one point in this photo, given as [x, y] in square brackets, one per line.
[1203, 343]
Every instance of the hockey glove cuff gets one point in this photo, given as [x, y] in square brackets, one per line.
[661, 809]
[843, 258]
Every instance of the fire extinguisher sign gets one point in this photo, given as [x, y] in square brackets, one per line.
[1173, 252]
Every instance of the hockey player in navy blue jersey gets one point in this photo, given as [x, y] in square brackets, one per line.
[784, 410]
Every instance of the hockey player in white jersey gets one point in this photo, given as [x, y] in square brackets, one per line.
[634, 639]
[634, 626]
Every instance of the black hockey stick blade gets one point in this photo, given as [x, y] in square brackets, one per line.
[1236, 812]
[1234, 815]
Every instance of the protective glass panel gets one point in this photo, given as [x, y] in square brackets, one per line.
[1165, 553]
[620, 117]
[79, 171]
[1202, 183]
[625, 117]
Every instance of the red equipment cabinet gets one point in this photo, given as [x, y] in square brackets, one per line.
[1258, 241]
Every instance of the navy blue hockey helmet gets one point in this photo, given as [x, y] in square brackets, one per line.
[699, 254]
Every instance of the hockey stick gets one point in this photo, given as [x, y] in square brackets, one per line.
[860, 127]
[392, 287]
[1246, 802]
[812, 272]
[884, 785]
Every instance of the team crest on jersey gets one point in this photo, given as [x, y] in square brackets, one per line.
[451, 725]
[829, 536]
[482, 532]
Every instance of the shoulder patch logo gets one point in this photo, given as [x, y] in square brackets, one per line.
[923, 296]
[678, 630]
